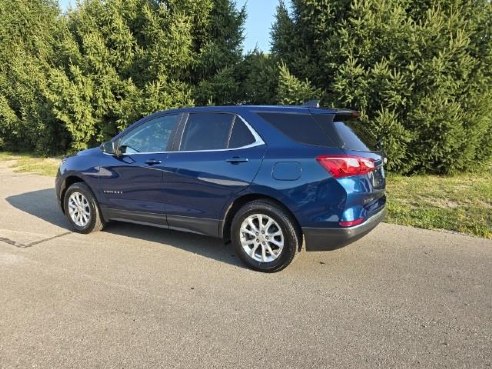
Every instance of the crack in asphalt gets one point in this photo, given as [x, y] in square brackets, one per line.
[31, 244]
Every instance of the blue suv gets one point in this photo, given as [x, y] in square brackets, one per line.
[268, 179]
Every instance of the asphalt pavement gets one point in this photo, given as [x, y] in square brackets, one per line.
[139, 297]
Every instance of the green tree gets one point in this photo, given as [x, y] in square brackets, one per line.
[69, 81]
[292, 91]
[26, 51]
[420, 72]
[117, 61]
[257, 78]
[218, 52]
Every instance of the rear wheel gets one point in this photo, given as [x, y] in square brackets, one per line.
[81, 209]
[265, 236]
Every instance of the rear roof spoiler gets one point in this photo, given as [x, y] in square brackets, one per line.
[311, 104]
[346, 115]
[339, 114]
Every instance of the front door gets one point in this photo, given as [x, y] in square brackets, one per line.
[132, 183]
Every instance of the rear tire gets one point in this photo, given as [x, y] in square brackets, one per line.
[264, 236]
[81, 209]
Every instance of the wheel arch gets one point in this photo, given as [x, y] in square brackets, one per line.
[233, 208]
[70, 180]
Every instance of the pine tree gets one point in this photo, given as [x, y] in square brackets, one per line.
[118, 61]
[26, 49]
[69, 81]
[257, 78]
[292, 91]
[218, 50]
[419, 70]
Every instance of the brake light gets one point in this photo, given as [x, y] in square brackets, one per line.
[350, 223]
[346, 165]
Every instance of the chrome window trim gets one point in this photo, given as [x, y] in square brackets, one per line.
[258, 142]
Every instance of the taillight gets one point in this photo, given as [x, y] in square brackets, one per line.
[350, 223]
[346, 165]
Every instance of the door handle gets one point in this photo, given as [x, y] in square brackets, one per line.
[236, 160]
[152, 162]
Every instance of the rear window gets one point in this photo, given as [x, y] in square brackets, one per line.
[302, 128]
[353, 134]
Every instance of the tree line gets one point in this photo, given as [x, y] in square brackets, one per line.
[419, 71]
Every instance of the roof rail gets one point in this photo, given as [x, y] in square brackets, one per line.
[311, 104]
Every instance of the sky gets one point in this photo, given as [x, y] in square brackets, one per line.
[261, 14]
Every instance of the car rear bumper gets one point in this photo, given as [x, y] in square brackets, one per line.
[325, 239]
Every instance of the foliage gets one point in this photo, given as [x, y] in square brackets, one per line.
[257, 78]
[218, 52]
[26, 32]
[419, 71]
[292, 91]
[84, 75]
[118, 60]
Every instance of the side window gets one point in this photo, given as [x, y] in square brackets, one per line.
[302, 128]
[152, 136]
[241, 135]
[207, 131]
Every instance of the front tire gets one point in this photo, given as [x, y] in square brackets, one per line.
[81, 209]
[264, 236]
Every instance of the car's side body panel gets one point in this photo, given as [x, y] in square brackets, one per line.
[198, 185]
[83, 166]
[129, 183]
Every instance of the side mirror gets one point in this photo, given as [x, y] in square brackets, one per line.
[112, 148]
[107, 147]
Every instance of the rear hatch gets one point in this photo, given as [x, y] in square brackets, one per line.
[355, 139]
[365, 189]
[347, 149]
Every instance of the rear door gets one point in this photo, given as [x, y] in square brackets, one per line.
[217, 156]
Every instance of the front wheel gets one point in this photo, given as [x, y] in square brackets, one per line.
[265, 236]
[81, 209]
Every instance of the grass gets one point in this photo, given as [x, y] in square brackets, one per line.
[31, 163]
[461, 203]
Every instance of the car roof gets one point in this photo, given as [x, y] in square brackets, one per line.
[265, 108]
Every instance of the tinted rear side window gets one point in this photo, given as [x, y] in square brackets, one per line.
[302, 128]
[206, 131]
[241, 135]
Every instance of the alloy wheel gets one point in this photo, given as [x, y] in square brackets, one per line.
[261, 238]
[79, 209]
